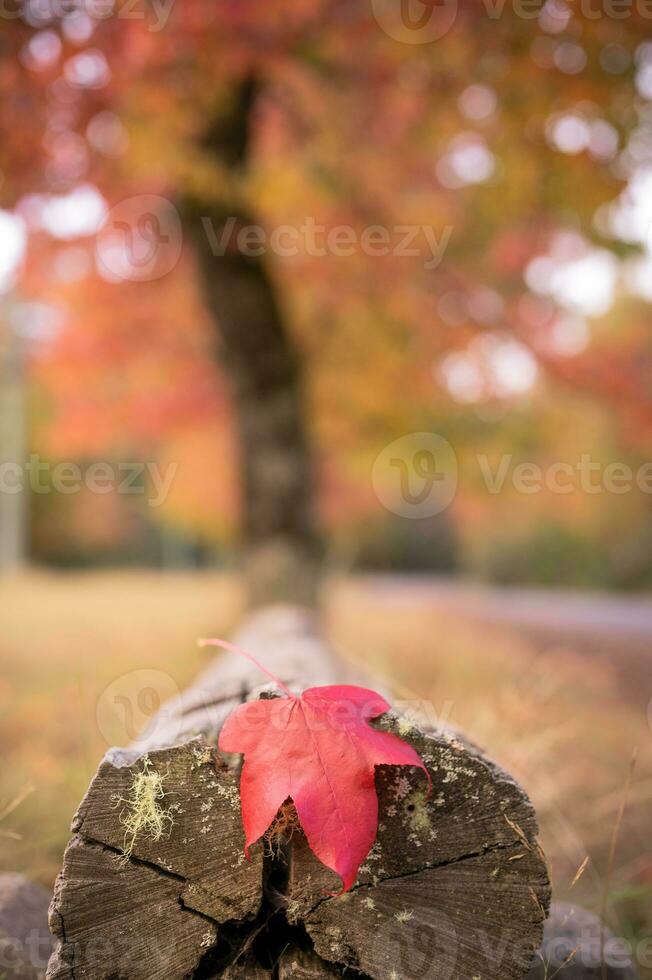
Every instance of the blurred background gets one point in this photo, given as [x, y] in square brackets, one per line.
[348, 295]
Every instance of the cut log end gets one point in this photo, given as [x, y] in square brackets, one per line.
[455, 886]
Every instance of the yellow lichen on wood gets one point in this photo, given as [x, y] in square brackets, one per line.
[143, 815]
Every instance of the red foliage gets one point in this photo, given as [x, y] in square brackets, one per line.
[319, 751]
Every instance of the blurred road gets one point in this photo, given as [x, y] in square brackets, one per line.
[617, 628]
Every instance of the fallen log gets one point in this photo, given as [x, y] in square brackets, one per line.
[155, 884]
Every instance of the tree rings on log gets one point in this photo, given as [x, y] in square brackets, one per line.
[156, 866]
[455, 887]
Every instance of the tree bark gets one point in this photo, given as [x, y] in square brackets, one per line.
[455, 887]
[262, 366]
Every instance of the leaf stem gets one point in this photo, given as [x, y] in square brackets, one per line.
[224, 644]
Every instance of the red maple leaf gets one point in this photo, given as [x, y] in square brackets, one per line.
[319, 751]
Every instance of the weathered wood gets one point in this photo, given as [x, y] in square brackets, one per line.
[246, 969]
[25, 942]
[572, 949]
[286, 639]
[297, 964]
[455, 887]
[156, 913]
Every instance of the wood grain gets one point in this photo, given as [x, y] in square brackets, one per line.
[455, 888]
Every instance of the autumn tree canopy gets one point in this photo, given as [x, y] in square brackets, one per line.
[437, 197]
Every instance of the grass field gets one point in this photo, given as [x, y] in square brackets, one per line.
[86, 659]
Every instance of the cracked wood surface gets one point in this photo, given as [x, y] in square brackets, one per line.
[156, 913]
[455, 885]
[455, 888]
[121, 920]
[246, 969]
[298, 964]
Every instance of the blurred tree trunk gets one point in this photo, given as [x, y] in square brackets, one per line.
[13, 492]
[282, 545]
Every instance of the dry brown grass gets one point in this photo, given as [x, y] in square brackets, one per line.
[85, 659]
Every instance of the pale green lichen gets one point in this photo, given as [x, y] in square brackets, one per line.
[142, 815]
[405, 726]
[202, 754]
[292, 909]
[416, 805]
[405, 915]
